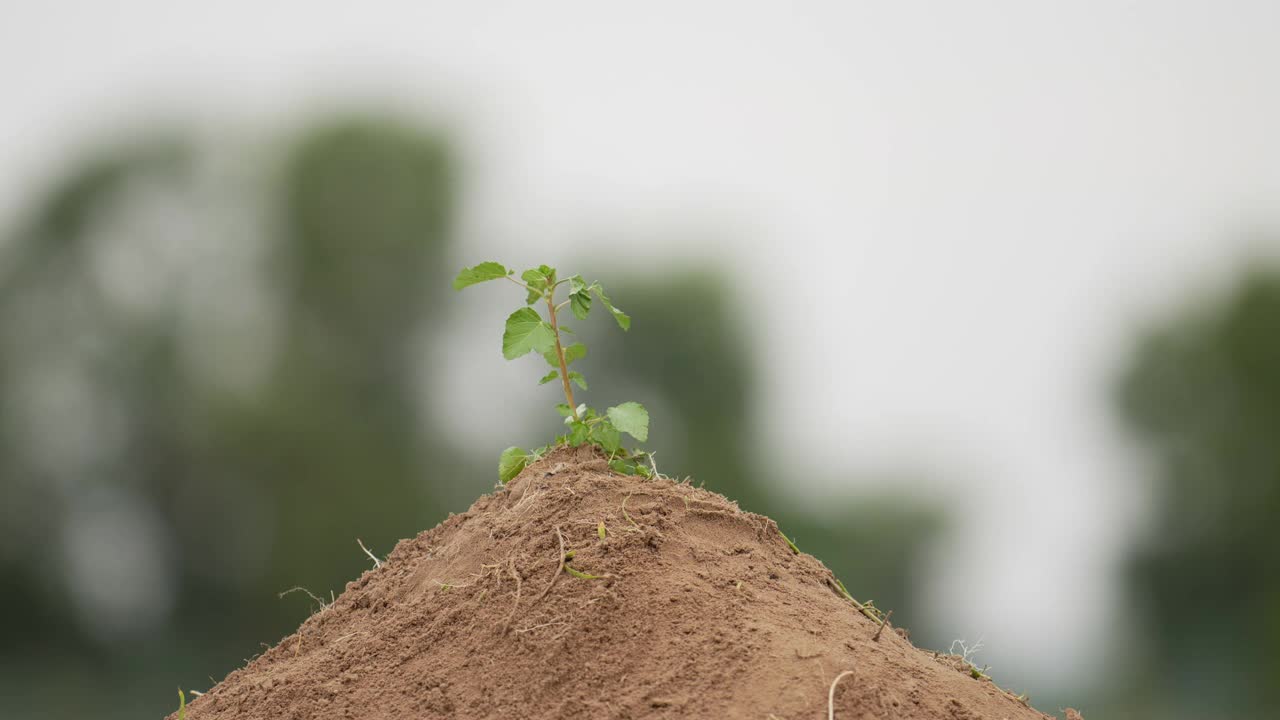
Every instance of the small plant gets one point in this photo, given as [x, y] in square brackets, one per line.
[966, 655]
[182, 705]
[528, 332]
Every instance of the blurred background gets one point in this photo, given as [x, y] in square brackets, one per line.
[989, 314]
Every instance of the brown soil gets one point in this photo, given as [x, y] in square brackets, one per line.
[699, 610]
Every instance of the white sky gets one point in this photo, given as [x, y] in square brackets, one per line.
[949, 215]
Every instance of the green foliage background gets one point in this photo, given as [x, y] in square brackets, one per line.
[1202, 396]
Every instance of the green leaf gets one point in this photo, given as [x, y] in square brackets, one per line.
[631, 418]
[600, 530]
[573, 352]
[624, 320]
[579, 297]
[578, 433]
[511, 462]
[526, 332]
[607, 436]
[577, 379]
[564, 409]
[549, 377]
[480, 273]
[576, 351]
[534, 279]
[626, 467]
[537, 282]
[580, 304]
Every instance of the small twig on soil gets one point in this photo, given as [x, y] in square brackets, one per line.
[831, 695]
[883, 623]
[864, 609]
[559, 570]
[376, 562]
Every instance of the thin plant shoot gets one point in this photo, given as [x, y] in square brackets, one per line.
[527, 331]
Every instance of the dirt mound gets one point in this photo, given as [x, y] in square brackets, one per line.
[687, 607]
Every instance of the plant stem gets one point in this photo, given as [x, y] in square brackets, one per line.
[526, 287]
[564, 367]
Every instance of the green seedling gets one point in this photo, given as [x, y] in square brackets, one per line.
[600, 530]
[790, 542]
[528, 332]
[182, 705]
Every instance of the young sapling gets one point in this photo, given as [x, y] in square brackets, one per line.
[527, 332]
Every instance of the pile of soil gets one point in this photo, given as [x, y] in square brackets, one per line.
[687, 607]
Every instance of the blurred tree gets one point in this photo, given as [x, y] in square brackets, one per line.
[155, 500]
[1202, 395]
[53, 326]
[365, 221]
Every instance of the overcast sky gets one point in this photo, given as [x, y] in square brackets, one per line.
[949, 216]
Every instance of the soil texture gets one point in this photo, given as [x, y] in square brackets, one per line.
[673, 603]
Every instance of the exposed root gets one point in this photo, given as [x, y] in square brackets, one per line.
[376, 562]
[323, 605]
[525, 501]
[559, 570]
[831, 695]
[626, 515]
